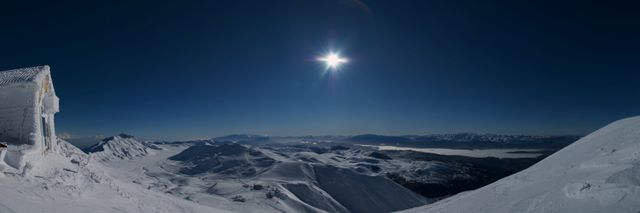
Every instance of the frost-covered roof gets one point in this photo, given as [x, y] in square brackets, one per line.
[23, 75]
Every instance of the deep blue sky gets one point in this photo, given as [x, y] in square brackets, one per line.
[183, 69]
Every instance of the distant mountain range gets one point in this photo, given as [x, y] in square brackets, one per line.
[455, 141]
[467, 141]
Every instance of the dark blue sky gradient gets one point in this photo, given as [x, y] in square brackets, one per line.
[184, 69]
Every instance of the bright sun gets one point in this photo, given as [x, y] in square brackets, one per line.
[333, 60]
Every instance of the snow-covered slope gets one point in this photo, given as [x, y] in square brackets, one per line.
[67, 181]
[231, 159]
[121, 146]
[301, 185]
[598, 173]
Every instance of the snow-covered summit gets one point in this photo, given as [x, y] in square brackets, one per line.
[598, 173]
[121, 146]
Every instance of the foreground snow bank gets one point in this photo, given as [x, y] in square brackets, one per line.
[16, 157]
[598, 173]
[69, 181]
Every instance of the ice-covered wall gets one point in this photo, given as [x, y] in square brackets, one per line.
[27, 107]
[17, 114]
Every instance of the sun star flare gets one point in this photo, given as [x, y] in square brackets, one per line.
[333, 60]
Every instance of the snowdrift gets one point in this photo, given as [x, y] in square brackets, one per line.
[598, 173]
[68, 181]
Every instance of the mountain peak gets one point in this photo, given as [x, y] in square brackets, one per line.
[121, 146]
[121, 135]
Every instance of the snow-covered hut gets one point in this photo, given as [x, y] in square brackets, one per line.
[28, 103]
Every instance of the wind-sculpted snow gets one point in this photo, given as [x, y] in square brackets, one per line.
[335, 189]
[380, 194]
[67, 181]
[315, 197]
[598, 173]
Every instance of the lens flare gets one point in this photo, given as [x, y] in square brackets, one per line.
[333, 60]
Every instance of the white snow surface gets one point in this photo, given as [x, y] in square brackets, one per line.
[288, 186]
[123, 174]
[120, 147]
[68, 181]
[598, 173]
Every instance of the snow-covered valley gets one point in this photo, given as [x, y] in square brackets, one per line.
[246, 178]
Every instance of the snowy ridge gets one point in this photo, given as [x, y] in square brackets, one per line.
[240, 137]
[230, 159]
[598, 173]
[122, 147]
